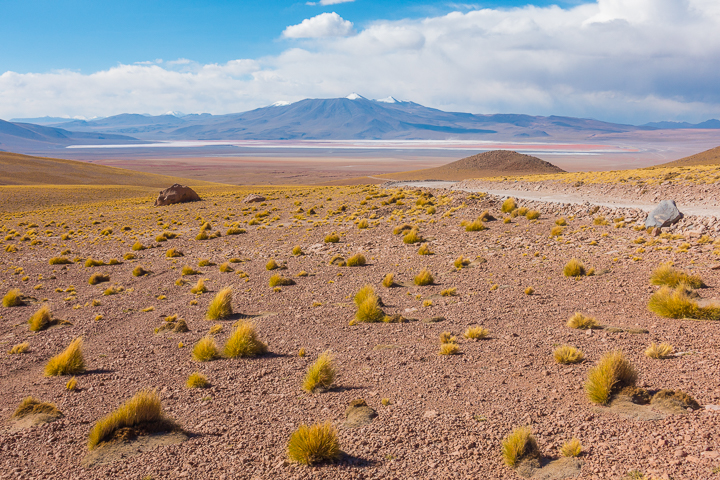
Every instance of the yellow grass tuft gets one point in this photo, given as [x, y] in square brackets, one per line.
[580, 321]
[226, 268]
[519, 445]
[476, 333]
[19, 348]
[97, 278]
[532, 214]
[137, 246]
[40, 320]
[280, 281]
[271, 265]
[556, 231]
[449, 349]
[676, 303]
[612, 372]
[389, 280]
[221, 305]
[368, 306]
[187, 270]
[574, 268]
[665, 274]
[205, 349]
[508, 205]
[143, 408]
[529, 291]
[13, 298]
[660, 351]
[412, 237]
[424, 278]
[313, 444]
[357, 260]
[140, 271]
[297, 250]
[449, 292]
[244, 342]
[567, 355]
[332, 238]
[71, 385]
[571, 448]
[197, 380]
[60, 261]
[475, 226]
[33, 406]
[174, 252]
[199, 287]
[561, 222]
[320, 374]
[68, 362]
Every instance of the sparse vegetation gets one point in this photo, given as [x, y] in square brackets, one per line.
[313, 444]
[424, 278]
[574, 268]
[69, 362]
[280, 281]
[205, 349]
[368, 306]
[659, 351]
[676, 303]
[140, 271]
[40, 320]
[413, 237]
[518, 446]
[582, 322]
[13, 298]
[60, 261]
[665, 274]
[571, 448]
[244, 342]
[476, 333]
[221, 306]
[271, 265]
[33, 406]
[96, 278]
[199, 287]
[388, 280]
[332, 238]
[197, 380]
[612, 373]
[23, 347]
[321, 374]
[508, 205]
[567, 355]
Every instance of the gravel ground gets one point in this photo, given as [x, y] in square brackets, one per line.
[446, 414]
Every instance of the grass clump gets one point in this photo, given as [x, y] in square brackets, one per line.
[461, 262]
[71, 385]
[611, 374]
[448, 344]
[271, 265]
[475, 226]
[244, 342]
[332, 238]
[412, 237]
[582, 322]
[518, 446]
[96, 278]
[60, 261]
[205, 349]
[660, 351]
[425, 250]
[280, 281]
[199, 287]
[571, 448]
[508, 205]
[402, 229]
[321, 374]
[665, 274]
[297, 250]
[476, 333]
[40, 320]
[144, 409]
[556, 231]
[357, 260]
[13, 298]
[33, 406]
[140, 271]
[676, 303]
[449, 292]
[90, 262]
[137, 246]
[226, 268]
[389, 280]
[561, 222]
[368, 306]
[313, 444]
[174, 252]
[68, 362]
[187, 270]
[221, 305]
[19, 348]
[424, 278]
[197, 380]
[567, 355]
[532, 214]
[235, 231]
[574, 268]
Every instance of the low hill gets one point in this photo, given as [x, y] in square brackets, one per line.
[489, 164]
[708, 157]
[17, 169]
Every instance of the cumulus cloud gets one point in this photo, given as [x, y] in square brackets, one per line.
[621, 60]
[329, 2]
[323, 25]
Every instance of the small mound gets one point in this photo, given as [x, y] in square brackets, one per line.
[489, 164]
[708, 157]
[358, 413]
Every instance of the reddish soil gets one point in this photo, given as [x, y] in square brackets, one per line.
[447, 414]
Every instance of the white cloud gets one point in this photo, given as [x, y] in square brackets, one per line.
[329, 2]
[619, 60]
[323, 25]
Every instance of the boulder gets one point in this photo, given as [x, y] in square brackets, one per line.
[176, 194]
[664, 215]
[253, 198]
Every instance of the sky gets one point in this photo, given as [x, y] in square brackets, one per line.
[627, 61]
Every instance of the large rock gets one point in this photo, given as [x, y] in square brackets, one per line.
[176, 194]
[252, 198]
[664, 215]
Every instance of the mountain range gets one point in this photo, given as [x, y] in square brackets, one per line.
[351, 118]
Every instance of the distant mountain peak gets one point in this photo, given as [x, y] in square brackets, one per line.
[389, 99]
[281, 103]
[355, 96]
[175, 114]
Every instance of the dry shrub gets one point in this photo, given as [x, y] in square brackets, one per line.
[449, 349]
[580, 321]
[244, 342]
[199, 287]
[313, 444]
[676, 303]
[197, 380]
[205, 349]
[532, 214]
[461, 262]
[140, 271]
[60, 261]
[332, 238]
[424, 278]
[556, 231]
[667, 275]
[280, 281]
[221, 306]
[271, 264]
[33, 406]
[612, 373]
[363, 224]
[235, 231]
[561, 222]
[449, 292]
[320, 374]
[600, 221]
[675, 398]
[413, 237]
[402, 229]
[174, 252]
[13, 298]
[508, 205]
[226, 268]
[68, 362]
[660, 351]
[297, 250]
[71, 385]
[388, 280]
[357, 260]
[476, 333]
[41, 319]
[142, 409]
[19, 348]
[475, 226]
[93, 263]
[574, 268]
[96, 278]
[519, 445]
[571, 448]
[137, 246]
[567, 355]
[529, 291]
[368, 306]
[187, 270]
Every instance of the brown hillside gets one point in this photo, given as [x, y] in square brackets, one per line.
[708, 157]
[17, 169]
[489, 164]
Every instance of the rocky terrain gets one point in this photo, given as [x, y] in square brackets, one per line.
[438, 416]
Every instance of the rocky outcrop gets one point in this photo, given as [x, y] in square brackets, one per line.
[664, 215]
[253, 198]
[176, 194]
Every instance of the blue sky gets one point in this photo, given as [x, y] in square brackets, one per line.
[630, 61]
